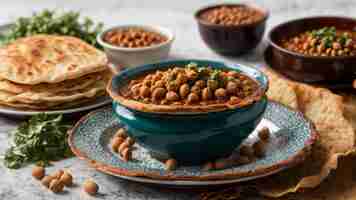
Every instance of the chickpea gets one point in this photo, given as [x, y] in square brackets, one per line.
[184, 90]
[200, 83]
[66, 179]
[56, 186]
[158, 94]
[126, 154]
[192, 98]
[264, 134]
[157, 77]
[259, 148]
[144, 91]
[116, 142]
[313, 42]
[340, 52]
[135, 89]
[121, 132]
[206, 94]
[220, 93]
[57, 174]
[213, 85]
[234, 100]
[333, 52]
[171, 164]
[148, 77]
[38, 172]
[172, 86]
[172, 96]
[192, 75]
[147, 83]
[130, 141]
[231, 87]
[123, 146]
[90, 187]
[336, 45]
[246, 151]
[46, 181]
[181, 79]
[196, 89]
[159, 83]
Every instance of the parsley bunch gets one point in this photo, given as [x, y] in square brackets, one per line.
[42, 139]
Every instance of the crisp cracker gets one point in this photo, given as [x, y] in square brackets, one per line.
[325, 110]
[340, 185]
[336, 141]
[281, 90]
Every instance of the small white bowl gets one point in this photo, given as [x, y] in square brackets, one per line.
[130, 57]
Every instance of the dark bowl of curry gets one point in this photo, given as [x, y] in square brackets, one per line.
[232, 29]
[315, 49]
[190, 110]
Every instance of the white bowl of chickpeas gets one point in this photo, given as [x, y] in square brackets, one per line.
[134, 45]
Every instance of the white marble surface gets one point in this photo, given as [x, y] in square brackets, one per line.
[176, 15]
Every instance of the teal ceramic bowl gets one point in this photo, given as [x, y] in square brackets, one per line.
[190, 138]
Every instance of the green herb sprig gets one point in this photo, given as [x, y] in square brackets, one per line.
[51, 22]
[40, 140]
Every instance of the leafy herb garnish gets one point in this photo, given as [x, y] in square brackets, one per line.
[40, 140]
[50, 22]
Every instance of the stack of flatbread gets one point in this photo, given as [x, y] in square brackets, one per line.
[51, 72]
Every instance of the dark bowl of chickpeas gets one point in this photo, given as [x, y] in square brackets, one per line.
[232, 29]
[190, 110]
[315, 49]
[133, 45]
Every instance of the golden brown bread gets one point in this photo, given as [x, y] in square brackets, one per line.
[49, 59]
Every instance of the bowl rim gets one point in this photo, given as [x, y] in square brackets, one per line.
[275, 44]
[155, 28]
[249, 71]
[263, 10]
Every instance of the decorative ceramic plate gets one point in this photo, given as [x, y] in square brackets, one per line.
[291, 139]
[18, 112]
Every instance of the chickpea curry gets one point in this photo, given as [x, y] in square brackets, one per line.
[192, 86]
[134, 38]
[232, 15]
[327, 41]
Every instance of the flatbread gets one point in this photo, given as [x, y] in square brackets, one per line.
[52, 105]
[337, 137]
[49, 59]
[281, 90]
[36, 98]
[65, 86]
[341, 185]
[335, 144]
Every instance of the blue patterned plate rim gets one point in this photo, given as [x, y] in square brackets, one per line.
[292, 141]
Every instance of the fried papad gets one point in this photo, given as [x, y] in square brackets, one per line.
[336, 138]
[334, 118]
[281, 90]
[49, 59]
[340, 185]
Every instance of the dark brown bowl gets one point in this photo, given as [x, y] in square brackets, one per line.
[234, 39]
[310, 69]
